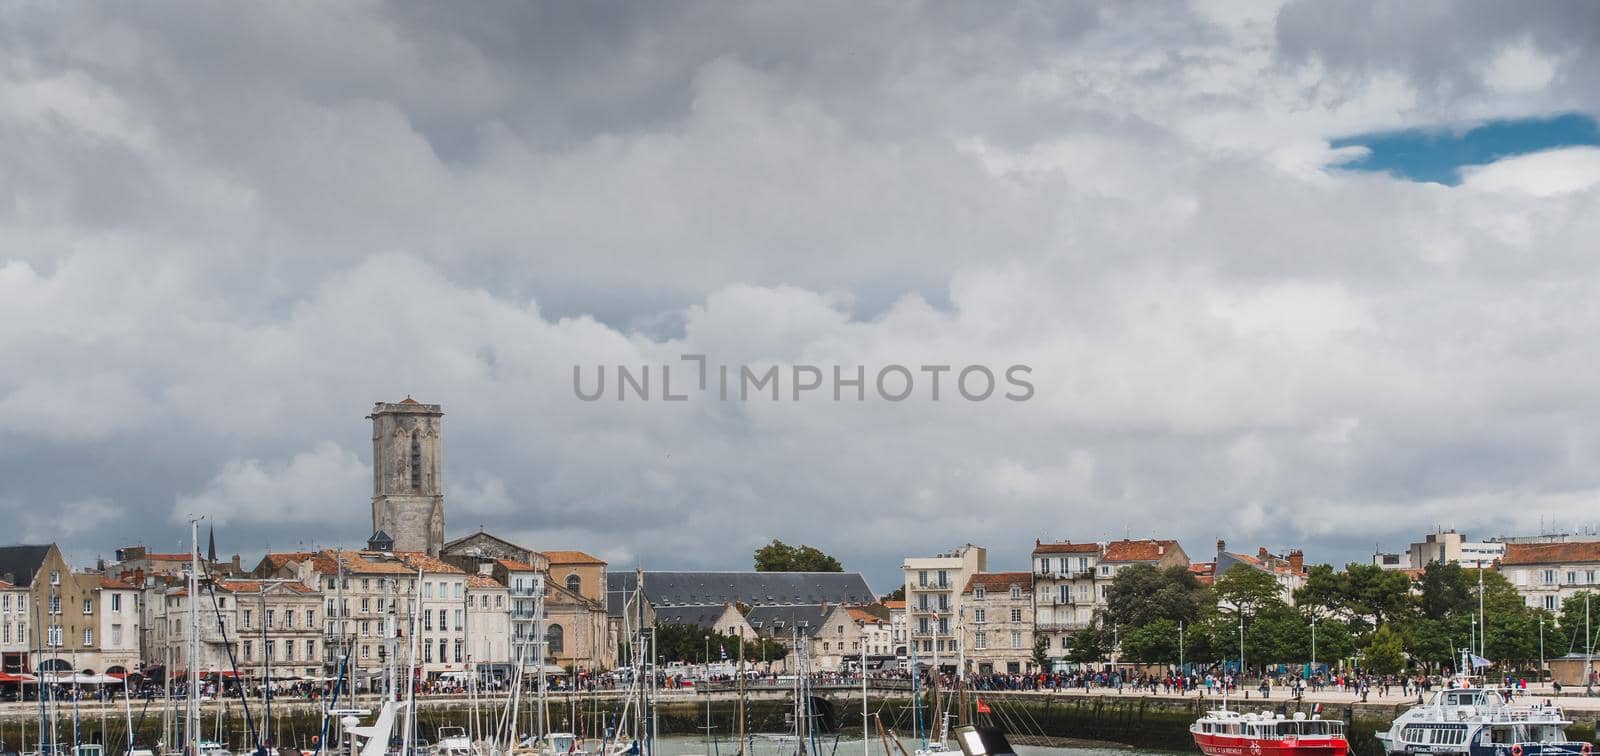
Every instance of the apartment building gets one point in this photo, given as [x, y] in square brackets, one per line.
[280, 628]
[1071, 581]
[876, 628]
[16, 618]
[1545, 574]
[899, 636]
[1066, 577]
[997, 622]
[933, 600]
[364, 590]
[489, 649]
[1289, 570]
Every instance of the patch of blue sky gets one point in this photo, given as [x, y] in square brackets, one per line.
[1438, 154]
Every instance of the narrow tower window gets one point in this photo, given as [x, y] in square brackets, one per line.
[416, 462]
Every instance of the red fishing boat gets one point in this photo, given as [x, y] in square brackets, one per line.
[1229, 733]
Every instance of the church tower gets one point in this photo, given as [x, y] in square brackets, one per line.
[407, 475]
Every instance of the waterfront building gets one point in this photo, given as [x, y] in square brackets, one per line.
[899, 637]
[877, 632]
[362, 590]
[1289, 570]
[113, 645]
[279, 628]
[997, 623]
[933, 599]
[490, 653]
[16, 621]
[1071, 581]
[63, 606]
[1545, 574]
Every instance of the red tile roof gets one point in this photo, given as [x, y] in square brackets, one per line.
[166, 557]
[1551, 553]
[1137, 551]
[482, 581]
[421, 560]
[1065, 547]
[895, 604]
[1000, 581]
[280, 559]
[571, 557]
[116, 585]
[515, 566]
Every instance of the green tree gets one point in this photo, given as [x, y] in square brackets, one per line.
[1434, 641]
[1089, 645]
[1247, 591]
[898, 594]
[781, 557]
[1385, 654]
[1154, 643]
[1325, 592]
[1375, 594]
[1142, 594]
[1447, 592]
[1279, 635]
[1334, 641]
[1041, 653]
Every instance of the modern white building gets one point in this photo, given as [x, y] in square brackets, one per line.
[933, 600]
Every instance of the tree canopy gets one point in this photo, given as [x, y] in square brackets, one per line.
[781, 557]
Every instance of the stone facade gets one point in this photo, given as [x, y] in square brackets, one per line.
[997, 623]
[408, 475]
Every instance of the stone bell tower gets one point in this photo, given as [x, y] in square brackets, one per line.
[407, 474]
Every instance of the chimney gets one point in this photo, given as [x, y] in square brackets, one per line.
[1221, 545]
[1297, 560]
[1262, 554]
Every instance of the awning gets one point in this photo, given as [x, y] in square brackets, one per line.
[7, 677]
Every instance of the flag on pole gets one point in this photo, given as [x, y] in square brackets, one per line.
[1478, 661]
[983, 708]
[1316, 708]
[724, 650]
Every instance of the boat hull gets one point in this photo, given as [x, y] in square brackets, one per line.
[1226, 745]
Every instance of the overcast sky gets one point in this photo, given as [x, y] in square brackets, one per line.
[227, 229]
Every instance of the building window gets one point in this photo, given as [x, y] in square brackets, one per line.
[116, 635]
[427, 650]
[459, 615]
[268, 618]
[981, 640]
[1044, 565]
[427, 589]
[249, 651]
[288, 619]
[88, 637]
[88, 606]
[311, 649]
[978, 616]
[54, 635]
[267, 649]
[575, 584]
[366, 605]
[1016, 615]
[978, 593]
[311, 618]
[1016, 639]
[55, 577]
[1016, 592]
[555, 641]
[416, 461]
[246, 618]
[55, 604]
[116, 602]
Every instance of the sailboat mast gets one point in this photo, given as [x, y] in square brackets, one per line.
[741, 691]
[193, 734]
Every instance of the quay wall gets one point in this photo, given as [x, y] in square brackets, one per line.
[1141, 721]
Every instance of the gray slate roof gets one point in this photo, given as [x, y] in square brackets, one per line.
[670, 589]
[21, 562]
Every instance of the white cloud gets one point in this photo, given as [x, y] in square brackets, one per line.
[225, 236]
[1540, 174]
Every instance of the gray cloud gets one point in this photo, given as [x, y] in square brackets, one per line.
[228, 230]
